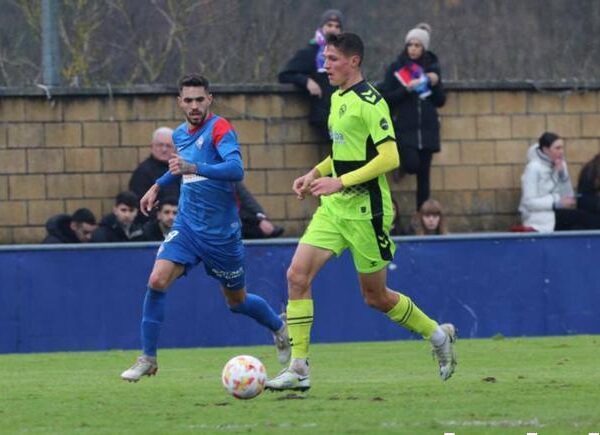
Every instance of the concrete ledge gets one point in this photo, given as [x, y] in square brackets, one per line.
[276, 88]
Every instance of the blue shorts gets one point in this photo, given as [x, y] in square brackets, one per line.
[222, 261]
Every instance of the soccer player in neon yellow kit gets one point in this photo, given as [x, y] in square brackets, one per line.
[355, 213]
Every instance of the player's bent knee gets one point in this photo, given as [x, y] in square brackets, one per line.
[158, 281]
[298, 281]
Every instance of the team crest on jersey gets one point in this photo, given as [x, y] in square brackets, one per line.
[342, 110]
[384, 124]
[200, 142]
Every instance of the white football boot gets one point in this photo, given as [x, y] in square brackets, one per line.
[444, 353]
[291, 379]
[144, 366]
[282, 342]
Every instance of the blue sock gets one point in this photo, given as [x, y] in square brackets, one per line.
[152, 317]
[256, 307]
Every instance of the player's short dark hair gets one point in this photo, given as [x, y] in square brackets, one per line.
[169, 200]
[348, 43]
[83, 215]
[129, 199]
[193, 80]
[547, 139]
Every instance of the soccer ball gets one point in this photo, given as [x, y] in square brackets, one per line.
[244, 377]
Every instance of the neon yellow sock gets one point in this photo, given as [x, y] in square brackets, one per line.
[299, 321]
[406, 313]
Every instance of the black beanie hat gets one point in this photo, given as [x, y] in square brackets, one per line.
[332, 15]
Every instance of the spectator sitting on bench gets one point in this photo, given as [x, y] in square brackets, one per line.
[158, 228]
[429, 220]
[119, 226]
[547, 199]
[75, 228]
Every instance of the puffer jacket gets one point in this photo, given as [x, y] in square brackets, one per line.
[542, 188]
[416, 120]
[59, 230]
[110, 231]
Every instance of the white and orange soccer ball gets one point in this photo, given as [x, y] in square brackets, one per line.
[244, 377]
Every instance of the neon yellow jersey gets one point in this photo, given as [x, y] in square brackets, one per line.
[359, 120]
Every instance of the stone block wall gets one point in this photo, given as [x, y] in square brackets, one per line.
[485, 137]
[78, 149]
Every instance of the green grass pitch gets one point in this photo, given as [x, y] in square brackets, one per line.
[503, 386]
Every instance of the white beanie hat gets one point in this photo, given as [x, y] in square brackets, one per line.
[421, 33]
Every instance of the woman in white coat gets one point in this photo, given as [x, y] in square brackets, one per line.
[548, 201]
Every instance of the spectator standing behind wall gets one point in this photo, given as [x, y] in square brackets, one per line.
[154, 167]
[76, 228]
[156, 230]
[547, 198]
[413, 89]
[306, 70]
[120, 225]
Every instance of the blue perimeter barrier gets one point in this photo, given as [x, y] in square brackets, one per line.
[66, 297]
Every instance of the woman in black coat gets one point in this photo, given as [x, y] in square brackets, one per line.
[413, 89]
[588, 187]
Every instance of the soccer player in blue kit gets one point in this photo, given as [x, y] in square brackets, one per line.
[207, 227]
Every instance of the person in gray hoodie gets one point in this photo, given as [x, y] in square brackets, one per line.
[548, 200]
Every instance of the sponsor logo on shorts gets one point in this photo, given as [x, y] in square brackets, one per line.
[228, 275]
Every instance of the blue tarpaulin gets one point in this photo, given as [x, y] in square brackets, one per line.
[89, 297]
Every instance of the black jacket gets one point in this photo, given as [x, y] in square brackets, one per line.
[110, 231]
[59, 230]
[152, 231]
[298, 70]
[589, 194]
[146, 174]
[250, 209]
[416, 121]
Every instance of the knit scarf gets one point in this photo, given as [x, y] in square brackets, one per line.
[320, 58]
